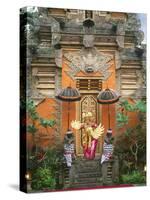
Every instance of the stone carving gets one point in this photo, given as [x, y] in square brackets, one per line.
[117, 60]
[55, 27]
[88, 40]
[75, 15]
[133, 23]
[120, 34]
[139, 37]
[88, 58]
[58, 57]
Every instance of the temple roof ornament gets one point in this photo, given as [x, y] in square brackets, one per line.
[134, 24]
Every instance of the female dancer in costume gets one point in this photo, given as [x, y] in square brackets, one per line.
[90, 134]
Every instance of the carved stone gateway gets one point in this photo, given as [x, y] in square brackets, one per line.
[88, 60]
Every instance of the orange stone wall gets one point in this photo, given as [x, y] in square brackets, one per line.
[43, 137]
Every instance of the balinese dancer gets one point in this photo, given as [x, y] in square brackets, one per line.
[90, 134]
[69, 150]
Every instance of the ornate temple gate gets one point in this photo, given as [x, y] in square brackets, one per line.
[88, 87]
[88, 103]
[101, 66]
[71, 53]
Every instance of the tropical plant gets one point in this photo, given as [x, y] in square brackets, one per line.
[43, 179]
[53, 159]
[136, 177]
[126, 107]
[47, 123]
[50, 160]
[130, 142]
[35, 120]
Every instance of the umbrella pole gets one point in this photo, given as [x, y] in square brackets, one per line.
[108, 117]
[68, 113]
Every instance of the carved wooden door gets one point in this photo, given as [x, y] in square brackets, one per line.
[88, 103]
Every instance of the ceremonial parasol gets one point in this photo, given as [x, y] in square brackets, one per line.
[69, 94]
[108, 96]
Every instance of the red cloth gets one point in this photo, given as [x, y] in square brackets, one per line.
[89, 152]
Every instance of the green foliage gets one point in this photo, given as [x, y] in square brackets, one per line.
[122, 119]
[53, 159]
[45, 174]
[31, 128]
[136, 177]
[130, 145]
[31, 110]
[33, 115]
[127, 106]
[45, 123]
[128, 132]
[42, 178]
[140, 106]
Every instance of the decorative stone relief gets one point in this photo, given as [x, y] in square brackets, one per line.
[139, 37]
[120, 34]
[74, 15]
[117, 60]
[133, 23]
[58, 57]
[88, 58]
[88, 40]
[55, 27]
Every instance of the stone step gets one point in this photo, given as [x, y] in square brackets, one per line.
[109, 172]
[87, 165]
[86, 162]
[87, 180]
[109, 182]
[85, 185]
[88, 170]
[86, 174]
[109, 178]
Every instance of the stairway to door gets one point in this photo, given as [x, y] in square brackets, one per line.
[83, 174]
[86, 174]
